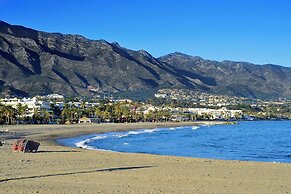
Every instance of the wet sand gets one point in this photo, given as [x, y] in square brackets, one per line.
[59, 169]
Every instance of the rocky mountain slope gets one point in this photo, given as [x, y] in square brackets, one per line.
[234, 78]
[38, 63]
[34, 62]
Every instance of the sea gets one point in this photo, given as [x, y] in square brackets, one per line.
[261, 141]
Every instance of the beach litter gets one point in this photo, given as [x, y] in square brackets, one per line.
[24, 145]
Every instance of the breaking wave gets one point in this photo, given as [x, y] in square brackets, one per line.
[112, 135]
[265, 141]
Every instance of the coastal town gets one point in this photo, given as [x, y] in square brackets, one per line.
[173, 105]
[153, 96]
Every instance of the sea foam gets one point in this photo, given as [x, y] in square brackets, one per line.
[84, 143]
[195, 127]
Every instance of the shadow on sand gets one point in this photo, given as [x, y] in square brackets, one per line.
[56, 151]
[73, 173]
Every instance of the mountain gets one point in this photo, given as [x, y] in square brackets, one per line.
[234, 78]
[34, 62]
[38, 63]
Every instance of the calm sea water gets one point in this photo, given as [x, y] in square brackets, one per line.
[268, 141]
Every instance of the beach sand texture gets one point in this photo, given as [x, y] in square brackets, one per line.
[59, 169]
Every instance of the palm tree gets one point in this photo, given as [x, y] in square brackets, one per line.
[21, 110]
[71, 114]
[36, 116]
[90, 112]
[98, 112]
[45, 115]
[118, 112]
[126, 113]
[76, 114]
[9, 113]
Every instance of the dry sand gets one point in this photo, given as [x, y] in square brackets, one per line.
[58, 169]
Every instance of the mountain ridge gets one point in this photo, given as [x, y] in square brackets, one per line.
[36, 63]
[275, 76]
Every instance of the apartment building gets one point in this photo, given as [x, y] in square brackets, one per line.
[33, 104]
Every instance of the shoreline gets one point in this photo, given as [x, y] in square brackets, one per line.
[62, 141]
[81, 141]
[54, 132]
[60, 169]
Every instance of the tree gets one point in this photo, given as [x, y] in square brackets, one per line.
[89, 112]
[98, 112]
[45, 116]
[126, 113]
[21, 109]
[71, 114]
[9, 113]
[36, 116]
[65, 113]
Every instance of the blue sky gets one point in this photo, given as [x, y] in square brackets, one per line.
[257, 31]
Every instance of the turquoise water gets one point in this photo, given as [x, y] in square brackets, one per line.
[265, 141]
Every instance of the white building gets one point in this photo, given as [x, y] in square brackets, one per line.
[33, 104]
[55, 96]
[216, 113]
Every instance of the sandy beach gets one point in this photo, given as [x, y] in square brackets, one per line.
[59, 169]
